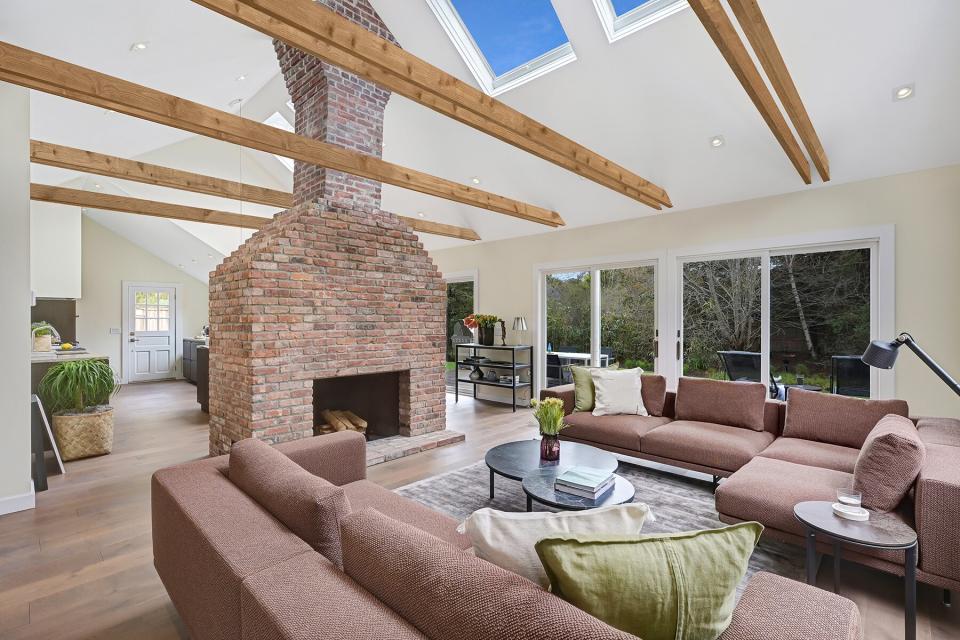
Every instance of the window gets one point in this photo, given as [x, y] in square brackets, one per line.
[598, 316]
[152, 311]
[278, 121]
[622, 17]
[505, 43]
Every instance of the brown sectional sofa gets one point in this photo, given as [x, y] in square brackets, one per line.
[233, 570]
[767, 472]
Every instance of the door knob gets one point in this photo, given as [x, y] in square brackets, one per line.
[134, 339]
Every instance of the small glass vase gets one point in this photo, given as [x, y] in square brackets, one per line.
[549, 448]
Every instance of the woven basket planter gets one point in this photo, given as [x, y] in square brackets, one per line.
[43, 343]
[81, 435]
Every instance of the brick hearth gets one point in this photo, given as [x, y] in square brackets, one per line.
[333, 287]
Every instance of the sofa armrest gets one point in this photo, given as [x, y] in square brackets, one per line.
[777, 607]
[937, 511]
[564, 392]
[339, 457]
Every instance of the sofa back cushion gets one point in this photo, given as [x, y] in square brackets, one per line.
[306, 504]
[449, 594]
[889, 462]
[735, 404]
[653, 388]
[835, 419]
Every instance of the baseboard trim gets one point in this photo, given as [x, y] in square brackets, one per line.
[22, 502]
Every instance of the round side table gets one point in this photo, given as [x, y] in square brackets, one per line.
[881, 531]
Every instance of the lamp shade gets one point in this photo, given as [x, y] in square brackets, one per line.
[881, 354]
[519, 323]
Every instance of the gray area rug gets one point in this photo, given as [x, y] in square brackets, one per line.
[679, 503]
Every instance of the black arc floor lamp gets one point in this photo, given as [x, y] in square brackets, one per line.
[882, 355]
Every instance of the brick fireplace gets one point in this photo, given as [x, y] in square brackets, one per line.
[335, 300]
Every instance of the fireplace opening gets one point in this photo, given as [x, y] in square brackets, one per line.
[367, 403]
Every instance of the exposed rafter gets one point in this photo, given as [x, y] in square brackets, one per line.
[753, 23]
[319, 31]
[125, 204]
[725, 36]
[111, 166]
[43, 73]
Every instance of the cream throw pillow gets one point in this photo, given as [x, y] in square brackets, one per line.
[617, 392]
[507, 539]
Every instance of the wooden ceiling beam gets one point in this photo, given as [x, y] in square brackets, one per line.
[319, 31]
[111, 166]
[126, 204]
[43, 73]
[56, 155]
[439, 229]
[758, 32]
[725, 36]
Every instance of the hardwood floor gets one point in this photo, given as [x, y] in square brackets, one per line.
[80, 564]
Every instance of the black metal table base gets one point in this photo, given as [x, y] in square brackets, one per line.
[909, 578]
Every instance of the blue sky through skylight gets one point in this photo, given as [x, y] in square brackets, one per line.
[624, 6]
[511, 33]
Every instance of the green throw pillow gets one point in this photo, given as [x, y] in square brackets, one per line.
[672, 586]
[584, 393]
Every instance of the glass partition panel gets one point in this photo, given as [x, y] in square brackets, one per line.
[820, 320]
[722, 319]
[628, 317]
[568, 324]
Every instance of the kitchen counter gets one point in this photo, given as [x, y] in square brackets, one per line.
[59, 356]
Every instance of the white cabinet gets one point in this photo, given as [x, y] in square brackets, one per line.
[55, 250]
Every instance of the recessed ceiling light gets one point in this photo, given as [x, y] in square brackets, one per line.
[241, 78]
[420, 213]
[717, 141]
[475, 180]
[139, 46]
[904, 92]
[98, 186]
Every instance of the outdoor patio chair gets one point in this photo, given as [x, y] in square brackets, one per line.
[745, 366]
[849, 376]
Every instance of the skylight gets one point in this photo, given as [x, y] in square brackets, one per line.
[504, 42]
[622, 17]
[278, 121]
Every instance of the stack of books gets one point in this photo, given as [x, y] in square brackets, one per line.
[586, 482]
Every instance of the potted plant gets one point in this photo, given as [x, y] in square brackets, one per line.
[549, 414]
[76, 392]
[42, 333]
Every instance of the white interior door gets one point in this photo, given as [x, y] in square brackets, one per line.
[151, 333]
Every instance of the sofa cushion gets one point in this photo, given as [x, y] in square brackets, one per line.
[716, 446]
[736, 404]
[939, 431]
[363, 494]
[653, 388]
[938, 511]
[825, 417]
[776, 607]
[452, 595]
[507, 539]
[623, 432]
[307, 504]
[813, 453]
[889, 462]
[306, 597]
[617, 392]
[685, 584]
[765, 490]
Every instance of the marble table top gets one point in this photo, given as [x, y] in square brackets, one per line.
[539, 485]
[515, 459]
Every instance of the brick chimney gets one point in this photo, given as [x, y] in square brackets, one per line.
[332, 288]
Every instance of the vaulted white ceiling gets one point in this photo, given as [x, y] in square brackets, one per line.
[650, 101]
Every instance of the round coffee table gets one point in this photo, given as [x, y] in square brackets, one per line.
[514, 460]
[539, 486]
[881, 531]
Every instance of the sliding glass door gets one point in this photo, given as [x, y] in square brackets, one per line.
[599, 317]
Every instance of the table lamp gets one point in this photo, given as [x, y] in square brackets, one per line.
[882, 354]
[520, 326]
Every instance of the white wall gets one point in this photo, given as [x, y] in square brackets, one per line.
[108, 260]
[55, 250]
[16, 488]
[924, 207]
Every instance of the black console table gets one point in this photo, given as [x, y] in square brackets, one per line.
[513, 367]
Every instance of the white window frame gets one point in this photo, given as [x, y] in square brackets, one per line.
[617, 27]
[655, 259]
[469, 50]
[881, 242]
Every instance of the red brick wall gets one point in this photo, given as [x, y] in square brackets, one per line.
[332, 287]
